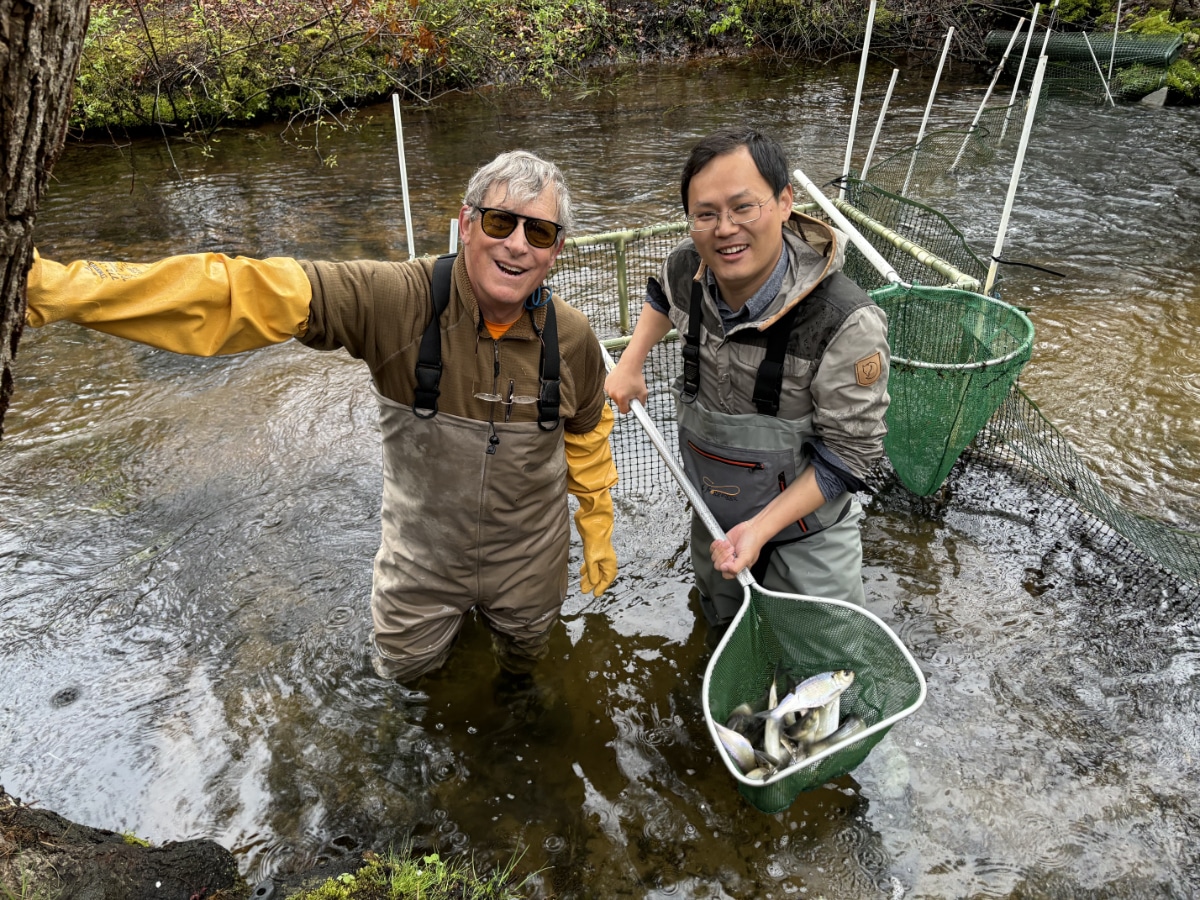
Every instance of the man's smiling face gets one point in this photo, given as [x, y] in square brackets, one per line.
[741, 257]
[505, 271]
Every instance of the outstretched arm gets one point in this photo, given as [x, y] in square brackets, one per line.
[203, 304]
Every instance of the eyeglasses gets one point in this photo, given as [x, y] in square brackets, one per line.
[742, 214]
[500, 223]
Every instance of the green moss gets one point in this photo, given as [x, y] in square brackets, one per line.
[1183, 79]
[403, 877]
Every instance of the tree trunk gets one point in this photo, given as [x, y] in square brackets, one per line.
[40, 43]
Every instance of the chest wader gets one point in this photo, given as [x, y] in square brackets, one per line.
[474, 516]
[740, 463]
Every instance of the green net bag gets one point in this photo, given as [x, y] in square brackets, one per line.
[810, 635]
[955, 357]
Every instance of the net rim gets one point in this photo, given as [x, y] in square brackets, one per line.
[1026, 345]
[810, 761]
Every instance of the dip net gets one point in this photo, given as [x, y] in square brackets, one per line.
[810, 635]
[955, 357]
[802, 636]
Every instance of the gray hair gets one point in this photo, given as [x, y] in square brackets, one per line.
[524, 176]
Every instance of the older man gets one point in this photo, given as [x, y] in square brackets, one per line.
[490, 393]
[782, 400]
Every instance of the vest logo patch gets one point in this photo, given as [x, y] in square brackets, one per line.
[868, 369]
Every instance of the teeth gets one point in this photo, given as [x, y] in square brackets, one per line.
[509, 269]
[729, 250]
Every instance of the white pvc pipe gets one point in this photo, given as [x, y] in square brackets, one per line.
[699, 507]
[1112, 54]
[1012, 98]
[1049, 27]
[887, 98]
[862, 71]
[1030, 111]
[937, 77]
[408, 230]
[987, 95]
[1099, 70]
[874, 257]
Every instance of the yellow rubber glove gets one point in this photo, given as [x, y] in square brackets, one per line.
[590, 475]
[203, 304]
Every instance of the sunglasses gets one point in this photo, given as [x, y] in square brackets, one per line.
[499, 224]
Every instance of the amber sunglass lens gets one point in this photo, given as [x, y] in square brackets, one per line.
[540, 234]
[498, 224]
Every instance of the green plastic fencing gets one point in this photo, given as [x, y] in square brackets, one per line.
[1081, 63]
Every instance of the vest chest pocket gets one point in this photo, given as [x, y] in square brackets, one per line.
[736, 483]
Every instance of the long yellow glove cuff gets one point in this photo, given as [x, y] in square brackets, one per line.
[590, 475]
[204, 304]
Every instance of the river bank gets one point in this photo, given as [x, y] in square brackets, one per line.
[192, 67]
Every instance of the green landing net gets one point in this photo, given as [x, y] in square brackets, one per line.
[805, 636]
[810, 635]
[955, 358]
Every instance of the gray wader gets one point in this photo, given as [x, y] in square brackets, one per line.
[739, 463]
[466, 528]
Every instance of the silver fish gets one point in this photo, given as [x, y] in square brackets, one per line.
[848, 729]
[740, 750]
[806, 728]
[829, 718]
[811, 693]
[771, 745]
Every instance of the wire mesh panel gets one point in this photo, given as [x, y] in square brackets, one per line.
[910, 236]
[1081, 63]
[605, 276]
[1019, 437]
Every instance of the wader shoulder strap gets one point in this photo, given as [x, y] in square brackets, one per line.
[691, 347]
[429, 358]
[548, 395]
[767, 385]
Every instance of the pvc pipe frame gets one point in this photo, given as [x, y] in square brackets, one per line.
[1112, 53]
[408, 230]
[1030, 111]
[862, 72]
[882, 266]
[987, 95]
[1012, 98]
[1099, 70]
[887, 98]
[928, 106]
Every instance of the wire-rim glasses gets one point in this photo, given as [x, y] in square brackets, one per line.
[741, 214]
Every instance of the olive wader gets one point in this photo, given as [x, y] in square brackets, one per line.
[474, 515]
[739, 463]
